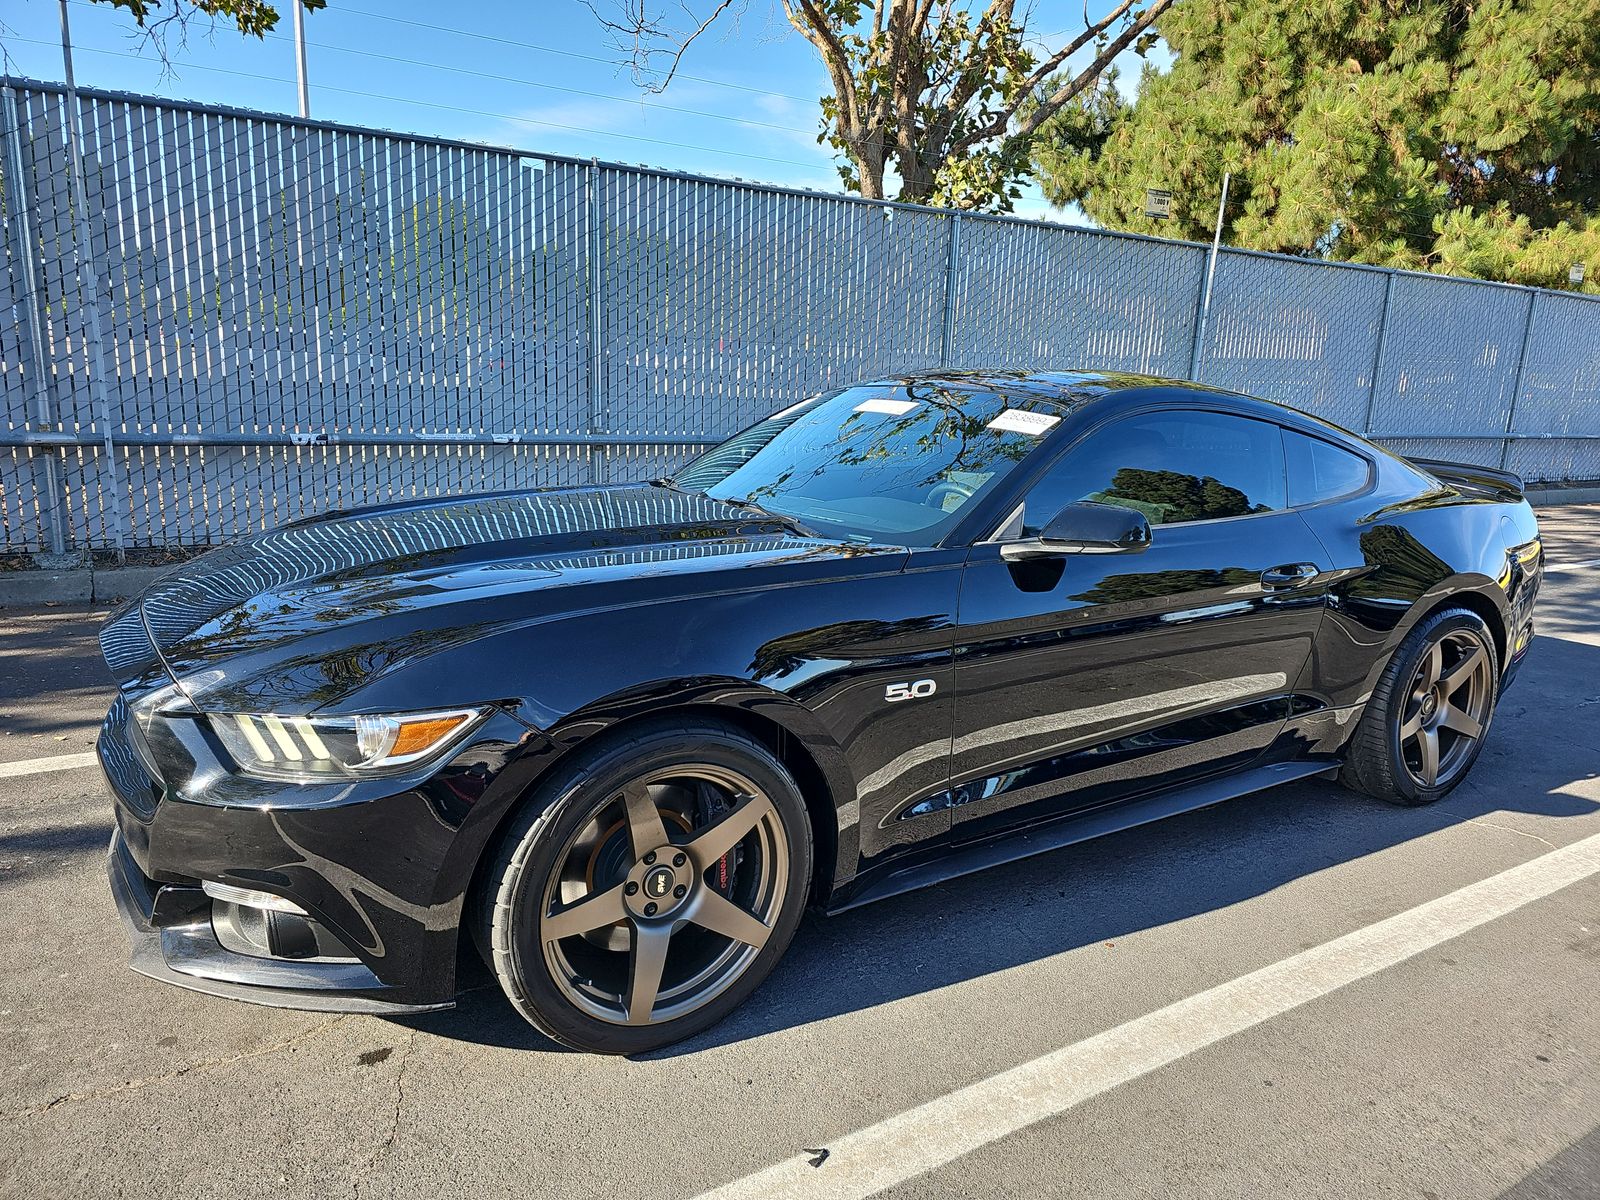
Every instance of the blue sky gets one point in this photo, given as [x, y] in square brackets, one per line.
[538, 75]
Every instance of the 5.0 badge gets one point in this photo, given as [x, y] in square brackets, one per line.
[922, 688]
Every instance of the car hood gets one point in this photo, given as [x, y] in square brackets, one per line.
[371, 588]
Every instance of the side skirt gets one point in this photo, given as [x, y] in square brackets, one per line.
[1082, 827]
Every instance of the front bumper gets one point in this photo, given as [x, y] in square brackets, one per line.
[174, 941]
[381, 875]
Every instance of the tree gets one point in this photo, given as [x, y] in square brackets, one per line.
[941, 94]
[1445, 134]
[254, 18]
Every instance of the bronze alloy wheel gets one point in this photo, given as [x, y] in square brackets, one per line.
[665, 895]
[1446, 708]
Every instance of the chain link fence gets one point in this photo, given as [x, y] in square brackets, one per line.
[257, 317]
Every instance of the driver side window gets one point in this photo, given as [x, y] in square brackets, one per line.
[1171, 466]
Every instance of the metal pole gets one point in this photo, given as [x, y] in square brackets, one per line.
[1516, 380]
[20, 201]
[300, 57]
[1211, 274]
[952, 262]
[89, 293]
[593, 208]
[1377, 354]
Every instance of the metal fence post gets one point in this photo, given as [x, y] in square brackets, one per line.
[1203, 317]
[596, 281]
[89, 295]
[952, 263]
[19, 201]
[1516, 379]
[1197, 327]
[1377, 355]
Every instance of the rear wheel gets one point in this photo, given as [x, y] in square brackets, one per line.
[654, 893]
[1425, 723]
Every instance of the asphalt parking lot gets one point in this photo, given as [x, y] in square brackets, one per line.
[1467, 1068]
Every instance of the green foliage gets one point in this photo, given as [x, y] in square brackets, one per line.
[253, 17]
[960, 78]
[1498, 244]
[1439, 134]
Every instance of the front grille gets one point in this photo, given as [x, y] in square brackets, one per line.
[124, 772]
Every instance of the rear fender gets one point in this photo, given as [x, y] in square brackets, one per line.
[1478, 593]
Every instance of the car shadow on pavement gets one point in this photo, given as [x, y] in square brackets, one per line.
[1570, 1175]
[24, 853]
[1543, 741]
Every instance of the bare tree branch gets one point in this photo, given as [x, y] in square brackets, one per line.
[641, 37]
[1092, 30]
[1052, 104]
[947, 94]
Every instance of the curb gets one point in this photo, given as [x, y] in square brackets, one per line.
[81, 585]
[119, 583]
[23, 588]
[1544, 497]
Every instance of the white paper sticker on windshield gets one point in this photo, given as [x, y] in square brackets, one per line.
[882, 404]
[1017, 420]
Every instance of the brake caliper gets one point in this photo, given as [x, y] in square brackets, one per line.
[714, 807]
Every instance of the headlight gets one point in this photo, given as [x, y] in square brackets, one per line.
[307, 748]
[142, 725]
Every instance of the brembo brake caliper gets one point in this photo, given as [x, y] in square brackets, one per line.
[715, 809]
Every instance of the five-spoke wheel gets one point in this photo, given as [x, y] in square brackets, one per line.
[658, 888]
[1425, 722]
[1446, 707]
[687, 865]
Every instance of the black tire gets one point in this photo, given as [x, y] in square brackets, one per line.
[521, 901]
[1388, 756]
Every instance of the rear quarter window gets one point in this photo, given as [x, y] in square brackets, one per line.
[1320, 471]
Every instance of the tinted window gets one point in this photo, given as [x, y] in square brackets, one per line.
[880, 462]
[1171, 466]
[1319, 470]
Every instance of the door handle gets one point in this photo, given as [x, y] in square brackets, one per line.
[1291, 575]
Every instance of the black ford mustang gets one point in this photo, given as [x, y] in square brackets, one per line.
[621, 736]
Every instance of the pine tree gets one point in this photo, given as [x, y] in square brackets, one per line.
[1461, 137]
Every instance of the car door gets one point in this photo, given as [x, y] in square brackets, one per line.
[1085, 678]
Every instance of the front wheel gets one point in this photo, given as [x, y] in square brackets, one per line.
[1424, 726]
[654, 891]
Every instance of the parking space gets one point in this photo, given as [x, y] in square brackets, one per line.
[1463, 1066]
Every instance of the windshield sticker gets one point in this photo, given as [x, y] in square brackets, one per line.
[1017, 420]
[882, 404]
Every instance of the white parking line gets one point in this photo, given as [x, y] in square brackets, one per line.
[43, 766]
[1577, 566]
[942, 1130]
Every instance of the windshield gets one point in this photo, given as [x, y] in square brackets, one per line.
[883, 463]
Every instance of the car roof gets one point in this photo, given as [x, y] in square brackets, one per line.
[1073, 390]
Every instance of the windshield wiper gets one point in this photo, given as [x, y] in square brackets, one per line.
[745, 503]
[793, 523]
[666, 481]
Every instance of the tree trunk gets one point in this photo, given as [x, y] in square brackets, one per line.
[916, 179]
[870, 157]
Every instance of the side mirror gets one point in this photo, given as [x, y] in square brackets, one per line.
[1085, 528]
